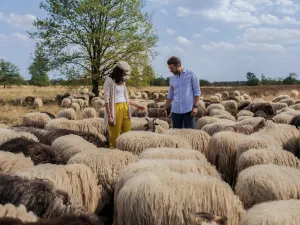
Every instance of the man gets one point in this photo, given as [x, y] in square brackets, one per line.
[183, 94]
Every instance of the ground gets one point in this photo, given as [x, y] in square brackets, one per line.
[11, 114]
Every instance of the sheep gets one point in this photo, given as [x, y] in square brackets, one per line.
[59, 98]
[139, 113]
[218, 126]
[156, 112]
[221, 152]
[106, 165]
[172, 153]
[66, 103]
[89, 113]
[204, 121]
[62, 220]
[49, 114]
[225, 116]
[39, 153]
[76, 179]
[29, 100]
[263, 106]
[79, 101]
[279, 105]
[284, 118]
[198, 139]
[245, 113]
[3, 126]
[219, 96]
[75, 106]
[288, 101]
[10, 162]
[145, 124]
[265, 156]
[69, 114]
[38, 196]
[37, 103]
[69, 145]
[214, 99]
[243, 104]
[215, 106]
[230, 106]
[47, 137]
[295, 93]
[225, 95]
[152, 105]
[281, 212]
[150, 192]
[280, 97]
[10, 211]
[137, 141]
[144, 95]
[262, 183]
[92, 125]
[98, 104]
[215, 112]
[7, 134]
[38, 120]
[213, 219]
[295, 121]
[19, 100]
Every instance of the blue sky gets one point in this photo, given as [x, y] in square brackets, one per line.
[218, 39]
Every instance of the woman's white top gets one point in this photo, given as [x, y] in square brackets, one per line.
[120, 94]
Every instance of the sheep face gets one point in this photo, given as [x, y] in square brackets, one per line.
[150, 126]
[212, 218]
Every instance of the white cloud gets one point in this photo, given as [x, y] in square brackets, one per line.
[3, 38]
[251, 47]
[171, 31]
[287, 6]
[184, 41]
[179, 50]
[163, 11]
[246, 13]
[183, 12]
[197, 35]
[272, 35]
[210, 29]
[22, 37]
[20, 21]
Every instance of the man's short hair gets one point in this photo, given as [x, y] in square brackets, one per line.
[174, 60]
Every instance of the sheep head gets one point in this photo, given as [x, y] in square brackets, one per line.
[213, 218]
[150, 126]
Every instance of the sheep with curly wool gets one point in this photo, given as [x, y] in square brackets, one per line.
[205, 120]
[230, 106]
[244, 113]
[263, 106]
[106, 165]
[279, 105]
[69, 114]
[137, 141]
[77, 180]
[69, 145]
[266, 156]
[80, 102]
[282, 118]
[66, 103]
[281, 212]
[36, 119]
[288, 101]
[37, 103]
[222, 150]
[167, 165]
[214, 99]
[198, 139]
[165, 198]
[217, 126]
[38, 196]
[172, 153]
[8, 134]
[225, 95]
[17, 212]
[97, 123]
[225, 116]
[38, 152]
[75, 106]
[98, 104]
[10, 162]
[263, 183]
[215, 106]
[216, 112]
[89, 113]
[280, 97]
[243, 104]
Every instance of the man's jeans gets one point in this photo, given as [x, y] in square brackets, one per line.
[183, 120]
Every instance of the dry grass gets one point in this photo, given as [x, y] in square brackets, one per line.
[11, 114]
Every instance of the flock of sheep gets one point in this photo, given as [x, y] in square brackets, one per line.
[240, 166]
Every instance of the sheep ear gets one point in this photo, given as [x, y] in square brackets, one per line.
[156, 124]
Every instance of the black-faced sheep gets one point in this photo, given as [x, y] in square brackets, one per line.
[38, 152]
[295, 121]
[263, 106]
[29, 100]
[38, 196]
[59, 98]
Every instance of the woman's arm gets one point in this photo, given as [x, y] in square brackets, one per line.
[132, 103]
[106, 88]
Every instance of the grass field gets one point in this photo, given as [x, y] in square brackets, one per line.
[11, 114]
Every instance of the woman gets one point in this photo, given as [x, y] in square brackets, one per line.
[118, 116]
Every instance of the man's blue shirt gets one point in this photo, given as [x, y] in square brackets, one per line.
[182, 90]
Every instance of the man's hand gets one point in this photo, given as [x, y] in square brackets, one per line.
[194, 112]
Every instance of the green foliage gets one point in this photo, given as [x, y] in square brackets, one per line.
[141, 78]
[9, 74]
[252, 80]
[291, 79]
[92, 35]
[204, 83]
[39, 68]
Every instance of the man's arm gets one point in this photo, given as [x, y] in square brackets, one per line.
[170, 96]
[196, 89]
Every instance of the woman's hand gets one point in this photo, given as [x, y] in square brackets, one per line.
[110, 121]
[140, 107]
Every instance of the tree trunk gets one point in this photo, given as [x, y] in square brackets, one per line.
[95, 83]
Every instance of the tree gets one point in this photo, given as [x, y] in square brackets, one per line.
[9, 74]
[252, 80]
[39, 68]
[92, 35]
[291, 79]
